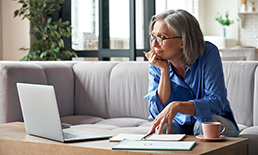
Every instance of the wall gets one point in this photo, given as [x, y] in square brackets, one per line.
[15, 32]
[249, 30]
[244, 35]
[212, 27]
[199, 13]
[1, 42]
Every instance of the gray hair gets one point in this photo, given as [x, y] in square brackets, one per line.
[186, 26]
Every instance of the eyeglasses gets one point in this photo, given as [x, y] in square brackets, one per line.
[160, 39]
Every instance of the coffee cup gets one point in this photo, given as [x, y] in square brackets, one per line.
[212, 129]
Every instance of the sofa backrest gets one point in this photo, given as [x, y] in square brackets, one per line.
[114, 89]
[59, 74]
[92, 80]
[128, 84]
[240, 83]
[111, 89]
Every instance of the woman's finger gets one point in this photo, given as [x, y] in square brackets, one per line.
[152, 130]
[168, 128]
[161, 125]
[147, 54]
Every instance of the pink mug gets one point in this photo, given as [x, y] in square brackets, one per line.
[212, 129]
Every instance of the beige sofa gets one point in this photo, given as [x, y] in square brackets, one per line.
[109, 95]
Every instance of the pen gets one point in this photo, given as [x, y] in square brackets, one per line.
[146, 136]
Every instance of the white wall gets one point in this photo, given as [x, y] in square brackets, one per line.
[15, 31]
[212, 27]
[199, 12]
[249, 30]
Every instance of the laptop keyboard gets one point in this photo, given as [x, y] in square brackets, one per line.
[71, 136]
[74, 134]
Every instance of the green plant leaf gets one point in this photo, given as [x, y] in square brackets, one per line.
[66, 23]
[52, 33]
[25, 58]
[68, 29]
[16, 12]
[38, 36]
[60, 20]
[21, 1]
[49, 20]
[24, 5]
[42, 54]
[48, 33]
[225, 22]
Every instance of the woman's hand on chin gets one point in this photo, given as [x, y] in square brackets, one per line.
[156, 60]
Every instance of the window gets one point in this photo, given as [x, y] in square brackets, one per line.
[162, 5]
[115, 28]
[85, 24]
[119, 24]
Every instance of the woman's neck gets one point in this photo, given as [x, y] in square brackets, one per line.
[179, 69]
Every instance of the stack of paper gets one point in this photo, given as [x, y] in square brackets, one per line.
[153, 137]
[153, 145]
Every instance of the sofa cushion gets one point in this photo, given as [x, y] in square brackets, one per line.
[124, 122]
[97, 126]
[80, 119]
[252, 134]
[239, 81]
[241, 127]
[135, 125]
[128, 84]
[92, 88]
[10, 73]
[60, 75]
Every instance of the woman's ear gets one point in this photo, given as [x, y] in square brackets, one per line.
[181, 45]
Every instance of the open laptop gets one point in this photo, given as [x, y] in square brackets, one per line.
[41, 115]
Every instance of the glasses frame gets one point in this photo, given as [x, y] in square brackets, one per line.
[160, 40]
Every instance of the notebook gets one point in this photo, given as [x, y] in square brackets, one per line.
[127, 144]
[41, 115]
[152, 137]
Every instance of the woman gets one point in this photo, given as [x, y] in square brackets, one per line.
[186, 81]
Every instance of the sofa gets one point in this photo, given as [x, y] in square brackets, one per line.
[109, 95]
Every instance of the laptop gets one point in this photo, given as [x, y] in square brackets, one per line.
[41, 115]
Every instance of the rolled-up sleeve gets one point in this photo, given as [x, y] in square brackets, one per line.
[214, 94]
[155, 105]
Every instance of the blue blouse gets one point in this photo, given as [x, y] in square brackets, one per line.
[203, 84]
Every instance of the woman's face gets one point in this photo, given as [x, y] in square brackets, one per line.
[170, 49]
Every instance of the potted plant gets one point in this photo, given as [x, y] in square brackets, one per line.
[49, 33]
[224, 22]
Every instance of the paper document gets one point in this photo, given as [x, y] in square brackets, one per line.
[128, 144]
[161, 137]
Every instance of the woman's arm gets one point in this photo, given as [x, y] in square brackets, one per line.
[164, 89]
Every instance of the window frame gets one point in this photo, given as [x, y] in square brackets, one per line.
[104, 52]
